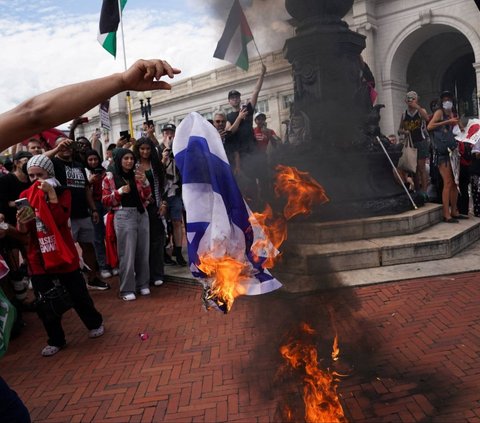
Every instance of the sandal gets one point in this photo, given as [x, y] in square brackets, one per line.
[451, 220]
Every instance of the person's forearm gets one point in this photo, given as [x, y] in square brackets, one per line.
[90, 202]
[56, 107]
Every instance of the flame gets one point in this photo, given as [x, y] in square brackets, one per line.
[320, 396]
[301, 190]
[227, 273]
[335, 349]
[275, 229]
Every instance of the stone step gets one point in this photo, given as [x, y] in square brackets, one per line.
[409, 222]
[437, 242]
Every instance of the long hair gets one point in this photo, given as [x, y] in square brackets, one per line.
[157, 166]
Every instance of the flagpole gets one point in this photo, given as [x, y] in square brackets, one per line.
[258, 51]
[129, 101]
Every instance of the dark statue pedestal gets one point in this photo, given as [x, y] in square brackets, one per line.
[358, 184]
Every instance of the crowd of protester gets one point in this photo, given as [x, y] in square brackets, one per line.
[114, 214]
[436, 179]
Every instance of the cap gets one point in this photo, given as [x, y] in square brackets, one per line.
[149, 122]
[21, 155]
[233, 93]
[260, 114]
[446, 93]
[412, 94]
[169, 127]
[44, 162]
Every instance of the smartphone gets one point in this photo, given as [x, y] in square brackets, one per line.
[21, 203]
[98, 170]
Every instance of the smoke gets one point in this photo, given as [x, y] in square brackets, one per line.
[268, 20]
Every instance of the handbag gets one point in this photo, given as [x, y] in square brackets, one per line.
[408, 159]
[443, 141]
[54, 302]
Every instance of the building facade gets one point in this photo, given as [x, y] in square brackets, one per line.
[421, 45]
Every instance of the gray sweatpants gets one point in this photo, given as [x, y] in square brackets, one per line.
[131, 230]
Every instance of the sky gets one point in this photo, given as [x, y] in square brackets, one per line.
[50, 43]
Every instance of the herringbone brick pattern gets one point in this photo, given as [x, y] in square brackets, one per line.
[410, 351]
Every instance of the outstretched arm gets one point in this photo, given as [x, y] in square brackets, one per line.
[63, 104]
[258, 86]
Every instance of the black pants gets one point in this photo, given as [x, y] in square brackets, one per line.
[82, 303]
[157, 243]
[463, 182]
[12, 409]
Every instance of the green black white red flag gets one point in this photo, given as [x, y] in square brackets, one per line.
[109, 20]
[236, 35]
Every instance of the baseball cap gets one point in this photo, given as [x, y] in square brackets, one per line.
[169, 126]
[446, 93]
[260, 114]
[22, 154]
[233, 93]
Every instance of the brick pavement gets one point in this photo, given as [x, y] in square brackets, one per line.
[410, 349]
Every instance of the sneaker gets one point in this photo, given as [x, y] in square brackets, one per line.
[105, 274]
[96, 333]
[145, 291]
[129, 297]
[115, 271]
[168, 261]
[158, 282]
[50, 350]
[98, 284]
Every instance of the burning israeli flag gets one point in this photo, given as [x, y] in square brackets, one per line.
[220, 225]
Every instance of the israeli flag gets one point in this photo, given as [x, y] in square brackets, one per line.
[217, 215]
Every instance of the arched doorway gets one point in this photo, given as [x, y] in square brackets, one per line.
[444, 62]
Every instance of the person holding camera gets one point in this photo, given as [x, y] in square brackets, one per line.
[45, 218]
[149, 163]
[442, 125]
[240, 124]
[414, 124]
[127, 192]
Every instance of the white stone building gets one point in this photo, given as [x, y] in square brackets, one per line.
[421, 45]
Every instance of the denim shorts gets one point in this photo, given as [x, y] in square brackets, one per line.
[175, 207]
[423, 149]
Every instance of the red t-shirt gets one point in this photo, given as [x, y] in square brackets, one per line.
[263, 137]
[61, 214]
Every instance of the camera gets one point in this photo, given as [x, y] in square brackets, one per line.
[170, 153]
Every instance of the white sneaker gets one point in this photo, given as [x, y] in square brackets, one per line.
[105, 274]
[95, 333]
[129, 297]
[158, 282]
[50, 350]
[145, 291]
[115, 271]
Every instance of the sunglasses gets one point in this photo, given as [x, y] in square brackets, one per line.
[220, 121]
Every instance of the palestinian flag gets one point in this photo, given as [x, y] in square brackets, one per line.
[109, 20]
[236, 35]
